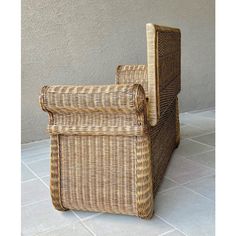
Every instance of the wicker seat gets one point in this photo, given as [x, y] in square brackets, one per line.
[110, 144]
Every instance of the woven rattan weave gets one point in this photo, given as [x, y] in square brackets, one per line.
[110, 144]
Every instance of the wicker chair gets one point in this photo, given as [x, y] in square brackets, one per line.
[110, 144]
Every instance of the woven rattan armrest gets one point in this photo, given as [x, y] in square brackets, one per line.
[102, 108]
[123, 98]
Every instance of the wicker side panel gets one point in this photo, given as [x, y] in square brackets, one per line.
[177, 122]
[168, 53]
[163, 58]
[144, 186]
[163, 140]
[55, 180]
[98, 173]
[168, 95]
[168, 56]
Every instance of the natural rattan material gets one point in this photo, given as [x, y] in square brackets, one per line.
[106, 155]
[163, 62]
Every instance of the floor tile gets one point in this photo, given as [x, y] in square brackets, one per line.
[205, 186]
[126, 225]
[206, 158]
[166, 184]
[32, 156]
[85, 215]
[41, 168]
[182, 170]
[33, 191]
[185, 118]
[207, 114]
[203, 123]
[174, 233]
[189, 147]
[46, 180]
[35, 145]
[26, 174]
[207, 139]
[188, 131]
[43, 217]
[187, 211]
[76, 229]
[196, 120]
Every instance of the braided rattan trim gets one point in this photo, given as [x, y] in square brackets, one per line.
[55, 181]
[97, 130]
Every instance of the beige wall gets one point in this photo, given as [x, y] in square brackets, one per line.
[82, 41]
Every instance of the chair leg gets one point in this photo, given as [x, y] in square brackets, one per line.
[177, 124]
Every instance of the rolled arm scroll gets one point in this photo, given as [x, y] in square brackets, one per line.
[124, 98]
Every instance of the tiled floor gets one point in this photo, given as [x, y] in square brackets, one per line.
[184, 204]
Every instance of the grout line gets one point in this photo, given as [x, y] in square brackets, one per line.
[45, 176]
[201, 110]
[198, 193]
[34, 161]
[190, 182]
[198, 153]
[206, 117]
[34, 203]
[171, 188]
[197, 179]
[198, 126]
[163, 219]
[29, 180]
[199, 163]
[92, 216]
[34, 174]
[85, 226]
[198, 135]
[196, 162]
[36, 151]
[200, 116]
[90, 230]
[207, 145]
[167, 232]
[201, 142]
[36, 142]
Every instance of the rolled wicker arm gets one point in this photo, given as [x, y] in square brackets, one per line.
[107, 99]
[94, 108]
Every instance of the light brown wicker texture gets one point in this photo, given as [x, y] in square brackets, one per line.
[107, 153]
[163, 62]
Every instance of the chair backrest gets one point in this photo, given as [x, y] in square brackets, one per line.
[163, 65]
